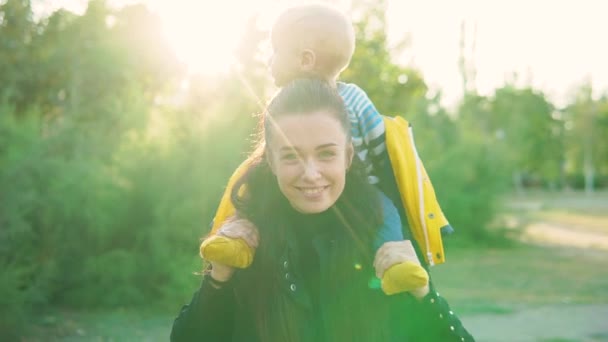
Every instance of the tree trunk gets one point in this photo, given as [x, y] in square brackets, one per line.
[518, 182]
[588, 153]
[588, 170]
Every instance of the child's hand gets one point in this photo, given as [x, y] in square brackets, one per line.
[398, 266]
[394, 252]
[233, 246]
[241, 229]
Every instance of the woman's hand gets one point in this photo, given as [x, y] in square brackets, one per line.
[234, 229]
[395, 252]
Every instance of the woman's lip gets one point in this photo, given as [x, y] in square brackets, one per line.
[312, 187]
[312, 191]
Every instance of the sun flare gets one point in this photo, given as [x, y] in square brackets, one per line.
[204, 34]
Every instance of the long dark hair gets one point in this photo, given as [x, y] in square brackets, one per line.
[357, 215]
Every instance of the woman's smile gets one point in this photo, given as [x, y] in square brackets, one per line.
[313, 193]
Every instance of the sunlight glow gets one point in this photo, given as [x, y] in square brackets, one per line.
[551, 45]
[205, 34]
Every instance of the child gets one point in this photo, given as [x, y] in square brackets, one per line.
[318, 41]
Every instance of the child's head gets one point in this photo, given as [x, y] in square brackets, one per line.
[311, 40]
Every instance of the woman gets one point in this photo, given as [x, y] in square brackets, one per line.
[318, 219]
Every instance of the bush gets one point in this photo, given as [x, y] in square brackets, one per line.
[25, 271]
[469, 174]
[88, 224]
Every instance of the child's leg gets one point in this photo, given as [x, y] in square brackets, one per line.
[222, 249]
[227, 251]
[404, 276]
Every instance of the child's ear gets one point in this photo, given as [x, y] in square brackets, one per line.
[308, 60]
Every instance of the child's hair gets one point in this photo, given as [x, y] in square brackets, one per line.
[322, 28]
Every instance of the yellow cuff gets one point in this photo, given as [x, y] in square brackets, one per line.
[227, 251]
[403, 277]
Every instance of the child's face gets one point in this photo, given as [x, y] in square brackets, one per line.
[285, 62]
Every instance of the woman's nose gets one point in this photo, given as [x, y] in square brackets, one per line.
[311, 170]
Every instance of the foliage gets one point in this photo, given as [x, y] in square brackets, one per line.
[112, 159]
[467, 175]
[521, 120]
[106, 185]
[586, 129]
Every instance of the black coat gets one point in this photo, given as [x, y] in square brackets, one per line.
[215, 315]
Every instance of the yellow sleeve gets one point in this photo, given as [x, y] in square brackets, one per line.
[424, 214]
[226, 210]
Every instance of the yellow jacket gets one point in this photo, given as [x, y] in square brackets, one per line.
[226, 210]
[424, 214]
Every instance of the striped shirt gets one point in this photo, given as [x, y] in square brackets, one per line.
[367, 128]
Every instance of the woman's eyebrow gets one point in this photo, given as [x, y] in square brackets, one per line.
[325, 146]
[292, 148]
[288, 148]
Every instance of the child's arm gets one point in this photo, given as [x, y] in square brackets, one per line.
[221, 249]
[401, 276]
[225, 209]
[368, 130]
[391, 227]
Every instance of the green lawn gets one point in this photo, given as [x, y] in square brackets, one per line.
[476, 281]
[111, 325]
[501, 280]
[489, 281]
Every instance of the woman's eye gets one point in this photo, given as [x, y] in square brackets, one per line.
[327, 154]
[289, 157]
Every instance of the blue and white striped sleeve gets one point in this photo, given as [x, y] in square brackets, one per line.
[370, 122]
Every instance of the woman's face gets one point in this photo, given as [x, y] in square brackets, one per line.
[309, 154]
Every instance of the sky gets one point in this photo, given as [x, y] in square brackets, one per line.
[552, 45]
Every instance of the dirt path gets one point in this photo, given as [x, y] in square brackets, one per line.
[563, 235]
[556, 323]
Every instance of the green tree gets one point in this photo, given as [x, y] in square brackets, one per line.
[523, 121]
[465, 172]
[586, 143]
[17, 29]
[395, 89]
[602, 141]
[111, 170]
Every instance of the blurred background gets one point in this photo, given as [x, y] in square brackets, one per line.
[121, 121]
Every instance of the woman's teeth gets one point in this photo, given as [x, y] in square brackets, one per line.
[312, 191]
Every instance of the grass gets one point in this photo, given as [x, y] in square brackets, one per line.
[103, 326]
[476, 281]
[503, 280]
[483, 281]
